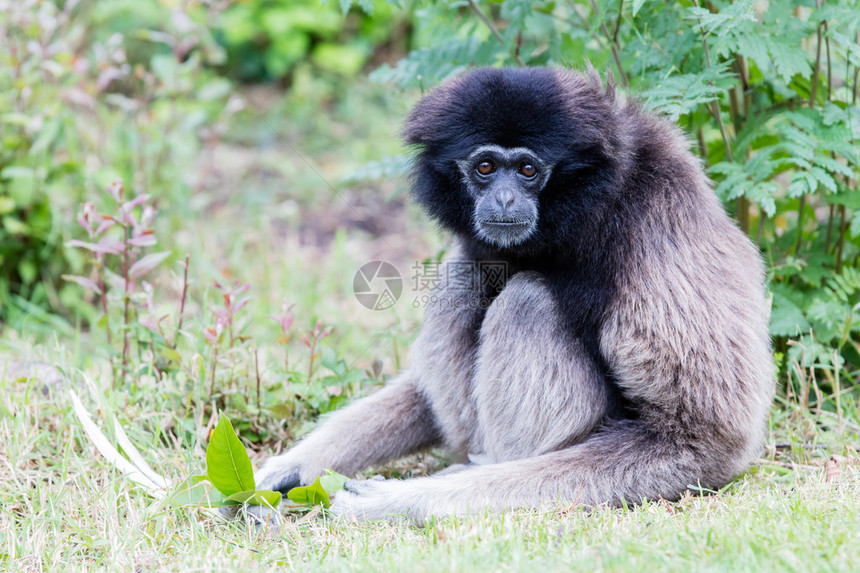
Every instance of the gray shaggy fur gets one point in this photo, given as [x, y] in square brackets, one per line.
[628, 355]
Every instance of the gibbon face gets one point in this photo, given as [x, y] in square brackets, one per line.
[504, 184]
[522, 153]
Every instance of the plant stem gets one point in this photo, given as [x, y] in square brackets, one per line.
[816, 71]
[829, 63]
[257, 373]
[743, 72]
[613, 40]
[311, 362]
[843, 227]
[837, 390]
[743, 205]
[154, 359]
[618, 21]
[212, 373]
[703, 146]
[761, 220]
[800, 209]
[103, 296]
[181, 303]
[829, 228]
[126, 296]
[856, 72]
[494, 30]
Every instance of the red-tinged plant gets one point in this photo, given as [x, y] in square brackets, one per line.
[285, 321]
[311, 340]
[224, 320]
[122, 235]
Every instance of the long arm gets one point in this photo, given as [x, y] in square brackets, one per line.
[393, 422]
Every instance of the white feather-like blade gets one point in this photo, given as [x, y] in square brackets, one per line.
[110, 453]
[134, 456]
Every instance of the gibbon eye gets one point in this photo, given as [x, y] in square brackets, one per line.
[485, 167]
[528, 169]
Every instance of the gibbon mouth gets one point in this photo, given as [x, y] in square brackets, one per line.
[505, 223]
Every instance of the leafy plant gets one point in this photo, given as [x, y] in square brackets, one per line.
[268, 39]
[122, 235]
[767, 91]
[228, 468]
[77, 112]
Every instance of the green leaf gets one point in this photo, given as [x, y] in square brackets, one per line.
[314, 494]
[637, 5]
[255, 497]
[333, 482]
[786, 317]
[228, 466]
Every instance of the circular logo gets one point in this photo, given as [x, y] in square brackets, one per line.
[377, 285]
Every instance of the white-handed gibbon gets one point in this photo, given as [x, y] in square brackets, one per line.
[625, 357]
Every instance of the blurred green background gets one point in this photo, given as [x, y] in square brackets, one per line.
[262, 136]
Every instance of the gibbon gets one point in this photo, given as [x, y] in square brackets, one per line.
[624, 355]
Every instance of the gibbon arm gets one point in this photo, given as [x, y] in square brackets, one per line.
[391, 423]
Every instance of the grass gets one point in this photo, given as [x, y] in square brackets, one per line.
[260, 214]
[62, 507]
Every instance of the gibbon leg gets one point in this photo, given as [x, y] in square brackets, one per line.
[536, 389]
[621, 461]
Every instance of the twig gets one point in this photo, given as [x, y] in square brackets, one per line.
[214, 363]
[800, 208]
[494, 30]
[618, 21]
[817, 69]
[181, 303]
[791, 466]
[714, 108]
[613, 44]
[257, 372]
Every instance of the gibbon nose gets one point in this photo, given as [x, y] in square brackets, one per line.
[505, 198]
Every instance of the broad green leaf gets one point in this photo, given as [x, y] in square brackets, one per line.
[255, 497]
[228, 466]
[333, 482]
[786, 317]
[314, 494]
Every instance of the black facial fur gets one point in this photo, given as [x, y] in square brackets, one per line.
[514, 108]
